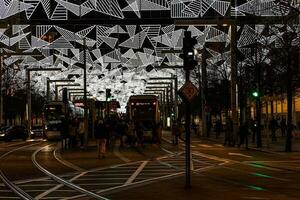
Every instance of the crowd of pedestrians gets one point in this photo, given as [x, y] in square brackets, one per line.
[110, 133]
[72, 133]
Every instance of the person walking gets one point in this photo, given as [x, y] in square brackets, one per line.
[81, 132]
[283, 126]
[229, 129]
[131, 137]
[101, 135]
[64, 132]
[218, 128]
[72, 133]
[159, 132]
[139, 133]
[273, 126]
[243, 133]
[175, 133]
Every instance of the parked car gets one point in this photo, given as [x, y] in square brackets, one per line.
[37, 131]
[14, 132]
[3, 129]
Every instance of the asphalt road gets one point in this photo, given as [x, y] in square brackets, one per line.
[42, 171]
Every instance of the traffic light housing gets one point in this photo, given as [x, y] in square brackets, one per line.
[189, 61]
[255, 94]
[108, 93]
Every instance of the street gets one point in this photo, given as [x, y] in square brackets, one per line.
[44, 171]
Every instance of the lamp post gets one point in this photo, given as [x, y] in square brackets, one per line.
[55, 81]
[28, 108]
[2, 54]
[167, 101]
[170, 99]
[175, 82]
[74, 90]
[63, 85]
[163, 102]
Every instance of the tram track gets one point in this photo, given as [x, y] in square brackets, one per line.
[94, 183]
[13, 187]
[61, 180]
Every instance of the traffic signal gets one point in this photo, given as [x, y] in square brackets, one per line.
[255, 94]
[189, 61]
[108, 93]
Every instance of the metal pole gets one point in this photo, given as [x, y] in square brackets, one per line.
[187, 138]
[203, 92]
[176, 97]
[29, 98]
[48, 90]
[1, 93]
[233, 48]
[56, 93]
[85, 97]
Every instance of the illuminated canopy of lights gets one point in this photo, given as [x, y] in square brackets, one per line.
[122, 56]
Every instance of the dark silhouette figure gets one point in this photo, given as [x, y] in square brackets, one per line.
[229, 129]
[218, 127]
[283, 126]
[273, 126]
[243, 133]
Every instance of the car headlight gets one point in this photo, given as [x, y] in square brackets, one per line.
[2, 135]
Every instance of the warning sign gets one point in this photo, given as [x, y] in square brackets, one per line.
[188, 91]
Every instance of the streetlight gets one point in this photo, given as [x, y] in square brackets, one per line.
[162, 91]
[169, 87]
[55, 81]
[28, 71]
[63, 85]
[175, 79]
[2, 54]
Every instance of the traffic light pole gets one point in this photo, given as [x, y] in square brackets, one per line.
[189, 63]
[1, 92]
[203, 92]
[187, 138]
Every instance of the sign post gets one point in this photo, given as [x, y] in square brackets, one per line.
[187, 92]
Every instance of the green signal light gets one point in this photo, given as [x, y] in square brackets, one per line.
[255, 94]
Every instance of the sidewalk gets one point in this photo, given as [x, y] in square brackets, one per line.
[267, 143]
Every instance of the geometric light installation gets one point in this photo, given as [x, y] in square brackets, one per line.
[119, 54]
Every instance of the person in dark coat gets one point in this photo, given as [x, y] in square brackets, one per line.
[64, 132]
[101, 135]
[243, 133]
[273, 126]
[229, 129]
[218, 128]
[283, 126]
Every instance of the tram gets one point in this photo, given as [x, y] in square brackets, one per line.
[54, 114]
[144, 109]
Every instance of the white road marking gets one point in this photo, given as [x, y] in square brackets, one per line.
[205, 145]
[239, 154]
[57, 187]
[219, 145]
[136, 173]
[211, 157]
